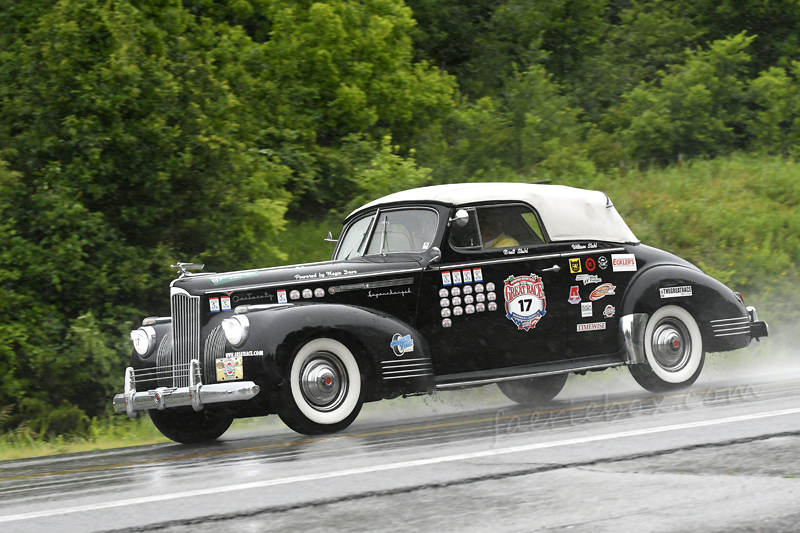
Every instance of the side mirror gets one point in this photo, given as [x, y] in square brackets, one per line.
[434, 256]
[461, 218]
[330, 238]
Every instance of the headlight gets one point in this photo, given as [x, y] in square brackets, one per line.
[236, 329]
[143, 339]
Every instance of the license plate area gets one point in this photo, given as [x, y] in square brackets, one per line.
[229, 369]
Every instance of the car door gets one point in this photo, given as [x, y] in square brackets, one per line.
[496, 300]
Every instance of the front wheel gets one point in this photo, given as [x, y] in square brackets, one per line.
[533, 391]
[674, 349]
[188, 426]
[322, 393]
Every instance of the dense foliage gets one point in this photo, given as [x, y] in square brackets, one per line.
[136, 133]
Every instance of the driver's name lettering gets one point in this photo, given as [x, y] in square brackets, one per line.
[594, 326]
[525, 300]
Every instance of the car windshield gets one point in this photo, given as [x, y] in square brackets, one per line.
[396, 230]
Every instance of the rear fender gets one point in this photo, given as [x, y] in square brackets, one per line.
[710, 300]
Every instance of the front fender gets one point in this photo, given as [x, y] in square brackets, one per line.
[278, 332]
[709, 301]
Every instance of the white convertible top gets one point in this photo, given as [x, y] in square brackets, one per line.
[567, 213]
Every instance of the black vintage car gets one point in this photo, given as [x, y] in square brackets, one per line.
[436, 288]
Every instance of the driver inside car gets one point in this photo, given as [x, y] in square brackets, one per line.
[492, 232]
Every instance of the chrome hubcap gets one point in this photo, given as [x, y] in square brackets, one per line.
[671, 345]
[323, 380]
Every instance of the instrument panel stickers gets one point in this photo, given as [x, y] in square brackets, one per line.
[525, 300]
[477, 275]
[226, 303]
[594, 326]
[606, 289]
[447, 280]
[213, 305]
[574, 295]
[307, 293]
[456, 277]
[402, 344]
[623, 262]
[294, 295]
[319, 293]
[575, 265]
[467, 275]
[675, 292]
[282, 296]
[586, 309]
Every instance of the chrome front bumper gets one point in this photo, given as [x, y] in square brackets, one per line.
[758, 328]
[196, 394]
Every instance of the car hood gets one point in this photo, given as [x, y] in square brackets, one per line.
[324, 273]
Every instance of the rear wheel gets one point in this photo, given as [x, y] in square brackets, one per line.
[322, 393]
[674, 349]
[188, 426]
[533, 391]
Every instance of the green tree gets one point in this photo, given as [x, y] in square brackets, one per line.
[695, 108]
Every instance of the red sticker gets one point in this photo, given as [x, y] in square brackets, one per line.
[590, 264]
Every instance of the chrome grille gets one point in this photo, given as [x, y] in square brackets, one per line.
[215, 349]
[185, 335]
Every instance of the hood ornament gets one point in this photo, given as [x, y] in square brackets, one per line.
[183, 268]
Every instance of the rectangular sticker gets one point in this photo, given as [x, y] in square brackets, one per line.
[213, 304]
[456, 277]
[675, 292]
[282, 296]
[467, 275]
[446, 279]
[594, 326]
[623, 262]
[477, 275]
[226, 303]
[229, 369]
[586, 309]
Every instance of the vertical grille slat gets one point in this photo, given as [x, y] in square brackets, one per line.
[186, 334]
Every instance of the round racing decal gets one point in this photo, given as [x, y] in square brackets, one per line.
[525, 301]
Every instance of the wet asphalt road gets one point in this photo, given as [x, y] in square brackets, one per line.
[607, 456]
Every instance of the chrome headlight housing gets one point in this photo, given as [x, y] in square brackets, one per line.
[144, 339]
[236, 329]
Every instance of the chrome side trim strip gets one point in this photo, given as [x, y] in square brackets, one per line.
[506, 259]
[392, 361]
[747, 327]
[593, 251]
[737, 319]
[410, 365]
[410, 370]
[371, 285]
[631, 332]
[739, 333]
[410, 376]
[310, 281]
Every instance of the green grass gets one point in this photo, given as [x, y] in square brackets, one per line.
[114, 432]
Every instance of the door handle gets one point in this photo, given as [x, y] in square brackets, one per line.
[554, 268]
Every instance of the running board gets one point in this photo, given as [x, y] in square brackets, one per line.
[484, 377]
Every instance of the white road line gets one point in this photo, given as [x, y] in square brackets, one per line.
[392, 466]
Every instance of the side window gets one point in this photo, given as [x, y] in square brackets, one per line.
[497, 227]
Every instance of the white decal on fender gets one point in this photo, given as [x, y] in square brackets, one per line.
[675, 292]
[623, 262]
